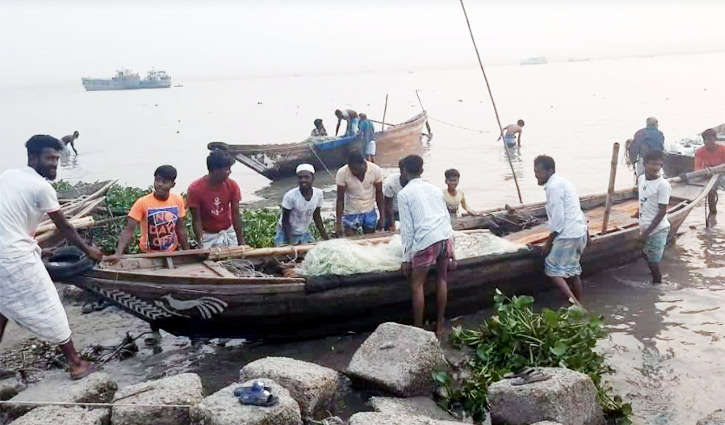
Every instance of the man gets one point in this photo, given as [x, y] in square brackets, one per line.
[568, 228]
[392, 185]
[214, 204]
[654, 197]
[645, 140]
[160, 215]
[511, 133]
[27, 294]
[70, 140]
[319, 130]
[350, 118]
[367, 134]
[359, 188]
[426, 234]
[301, 206]
[711, 155]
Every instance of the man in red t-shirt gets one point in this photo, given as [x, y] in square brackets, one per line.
[214, 204]
[710, 155]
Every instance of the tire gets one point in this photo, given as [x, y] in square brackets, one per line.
[67, 262]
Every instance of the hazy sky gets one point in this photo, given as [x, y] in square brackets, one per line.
[58, 42]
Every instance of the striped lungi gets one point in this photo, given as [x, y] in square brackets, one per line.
[564, 258]
[29, 298]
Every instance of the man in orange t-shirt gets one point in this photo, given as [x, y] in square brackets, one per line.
[710, 155]
[160, 215]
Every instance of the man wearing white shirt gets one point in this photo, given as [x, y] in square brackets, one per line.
[392, 185]
[426, 232]
[27, 293]
[568, 227]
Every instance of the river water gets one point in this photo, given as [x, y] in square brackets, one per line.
[665, 342]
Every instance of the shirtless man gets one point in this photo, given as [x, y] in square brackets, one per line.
[512, 130]
[70, 140]
[350, 117]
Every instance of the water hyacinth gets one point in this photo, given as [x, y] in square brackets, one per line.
[517, 337]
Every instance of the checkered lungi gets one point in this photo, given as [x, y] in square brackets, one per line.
[29, 298]
[563, 259]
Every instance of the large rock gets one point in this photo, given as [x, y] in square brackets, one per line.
[223, 408]
[313, 387]
[568, 397]
[374, 418]
[58, 415]
[399, 359]
[715, 418]
[182, 389]
[10, 387]
[416, 406]
[95, 388]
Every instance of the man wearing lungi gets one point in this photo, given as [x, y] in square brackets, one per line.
[27, 294]
[568, 227]
[427, 238]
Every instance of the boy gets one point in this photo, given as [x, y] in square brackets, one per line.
[161, 216]
[214, 204]
[654, 197]
[455, 198]
[300, 206]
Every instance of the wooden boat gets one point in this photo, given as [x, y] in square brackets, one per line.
[676, 164]
[276, 161]
[189, 293]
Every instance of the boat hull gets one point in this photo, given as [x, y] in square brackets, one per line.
[676, 164]
[295, 308]
[277, 161]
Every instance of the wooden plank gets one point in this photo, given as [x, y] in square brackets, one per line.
[218, 269]
[169, 262]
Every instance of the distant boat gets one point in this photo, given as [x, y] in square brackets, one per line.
[578, 60]
[128, 80]
[534, 61]
[178, 85]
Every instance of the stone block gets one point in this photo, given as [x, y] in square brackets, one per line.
[375, 418]
[567, 396]
[399, 359]
[416, 406]
[313, 386]
[59, 415]
[10, 387]
[715, 418]
[184, 389]
[223, 408]
[96, 388]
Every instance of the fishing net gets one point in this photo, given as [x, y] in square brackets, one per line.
[342, 257]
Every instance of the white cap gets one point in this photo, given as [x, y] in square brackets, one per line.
[305, 167]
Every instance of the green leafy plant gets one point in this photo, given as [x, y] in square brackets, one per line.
[517, 337]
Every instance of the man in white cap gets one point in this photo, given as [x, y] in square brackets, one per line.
[300, 206]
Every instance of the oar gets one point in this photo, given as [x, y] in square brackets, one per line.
[385, 111]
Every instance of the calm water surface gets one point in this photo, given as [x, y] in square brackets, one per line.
[666, 342]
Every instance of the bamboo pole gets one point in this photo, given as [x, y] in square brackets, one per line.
[427, 124]
[610, 190]
[493, 102]
[385, 111]
[49, 230]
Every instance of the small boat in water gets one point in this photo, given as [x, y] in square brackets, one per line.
[277, 161]
[128, 80]
[193, 293]
[534, 61]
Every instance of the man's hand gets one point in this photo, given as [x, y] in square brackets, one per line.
[406, 267]
[641, 241]
[95, 254]
[112, 259]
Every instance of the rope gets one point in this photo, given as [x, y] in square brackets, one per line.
[456, 126]
[61, 403]
[493, 102]
[312, 148]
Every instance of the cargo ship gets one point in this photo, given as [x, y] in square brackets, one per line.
[128, 80]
